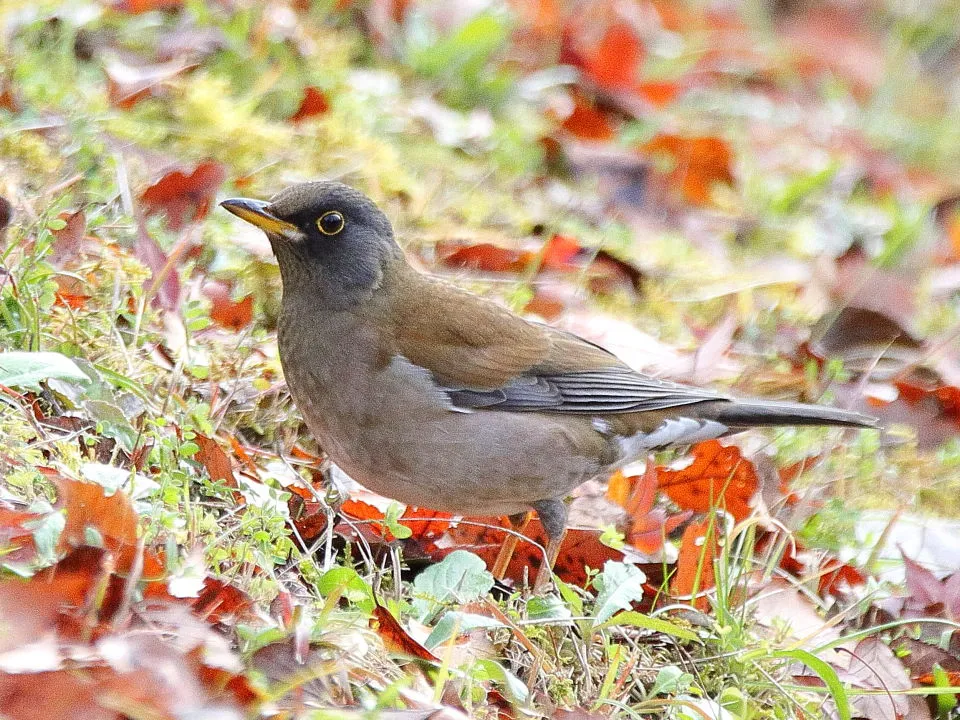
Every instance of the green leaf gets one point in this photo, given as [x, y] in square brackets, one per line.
[513, 688]
[620, 586]
[548, 607]
[826, 673]
[353, 587]
[28, 369]
[461, 576]
[671, 680]
[637, 619]
[458, 622]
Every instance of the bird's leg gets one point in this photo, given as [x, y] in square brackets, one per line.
[553, 517]
[518, 522]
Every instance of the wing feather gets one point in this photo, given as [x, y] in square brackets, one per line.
[483, 356]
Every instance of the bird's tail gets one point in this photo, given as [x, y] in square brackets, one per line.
[751, 413]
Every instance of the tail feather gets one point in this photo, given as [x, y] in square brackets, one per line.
[751, 413]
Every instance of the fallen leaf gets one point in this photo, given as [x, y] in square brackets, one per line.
[719, 477]
[182, 197]
[648, 525]
[222, 603]
[314, 103]
[586, 121]
[68, 239]
[164, 280]
[88, 507]
[580, 549]
[694, 569]
[129, 84]
[698, 163]
[215, 462]
[224, 310]
[37, 606]
[137, 7]
[615, 60]
[396, 639]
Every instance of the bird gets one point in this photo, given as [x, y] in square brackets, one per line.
[436, 397]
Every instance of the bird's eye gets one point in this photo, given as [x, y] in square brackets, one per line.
[330, 223]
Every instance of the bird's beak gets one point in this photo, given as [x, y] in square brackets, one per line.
[255, 212]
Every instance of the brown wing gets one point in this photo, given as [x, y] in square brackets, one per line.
[484, 356]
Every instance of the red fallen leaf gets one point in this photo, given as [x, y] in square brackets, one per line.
[185, 198]
[16, 541]
[614, 63]
[658, 94]
[648, 526]
[137, 7]
[792, 472]
[396, 639]
[226, 312]
[35, 607]
[8, 98]
[946, 397]
[308, 515]
[587, 122]
[718, 477]
[216, 463]
[86, 506]
[694, 572]
[486, 257]
[71, 291]
[559, 252]
[952, 677]
[425, 524]
[580, 549]
[314, 103]
[219, 602]
[545, 304]
[699, 162]
[836, 576]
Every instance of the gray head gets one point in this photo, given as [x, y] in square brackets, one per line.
[331, 241]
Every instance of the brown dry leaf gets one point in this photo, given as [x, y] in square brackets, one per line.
[875, 667]
[164, 279]
[16, 541]
[87, 506]
[35, 607]
[580, 549]
[396, 639]
[219, 603]
[68, 239]
[217, 464]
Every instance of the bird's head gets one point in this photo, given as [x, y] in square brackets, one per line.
[331, 241]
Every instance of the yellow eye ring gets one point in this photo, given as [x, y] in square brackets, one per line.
[330, 223]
